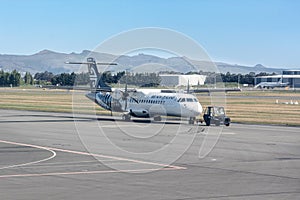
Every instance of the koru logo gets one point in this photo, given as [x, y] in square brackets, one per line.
[93, 77]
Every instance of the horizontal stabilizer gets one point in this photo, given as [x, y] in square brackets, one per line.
[89, 63]
[96, 83]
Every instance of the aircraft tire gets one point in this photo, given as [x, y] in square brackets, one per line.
[191, 120]
[126, 117]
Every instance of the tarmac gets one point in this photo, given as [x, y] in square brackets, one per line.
[64, 156]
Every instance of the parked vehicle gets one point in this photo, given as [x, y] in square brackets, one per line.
[215, 115]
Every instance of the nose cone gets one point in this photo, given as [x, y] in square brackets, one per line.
[199, 109]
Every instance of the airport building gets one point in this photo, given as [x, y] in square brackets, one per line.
[290, 76]
[174, 80]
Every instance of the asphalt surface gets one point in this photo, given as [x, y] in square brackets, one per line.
[60, 156]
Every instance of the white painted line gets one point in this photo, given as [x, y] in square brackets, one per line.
[74, 162]
[34, 162]
[95, 163]
[92, 154]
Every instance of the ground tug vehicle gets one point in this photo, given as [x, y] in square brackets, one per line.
[215, 115]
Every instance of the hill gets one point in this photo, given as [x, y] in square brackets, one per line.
[47, 60]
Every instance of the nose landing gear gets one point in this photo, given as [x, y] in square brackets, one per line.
[192, 120]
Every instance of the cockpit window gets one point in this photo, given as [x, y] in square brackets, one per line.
[195, 100]
[189, 100]
[182, 100]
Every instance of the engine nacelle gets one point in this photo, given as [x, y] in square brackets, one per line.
[139, 113]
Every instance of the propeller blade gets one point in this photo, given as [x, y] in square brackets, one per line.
[126, 91]
[107, 64]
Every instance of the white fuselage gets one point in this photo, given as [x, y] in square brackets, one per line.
[152, 104]
[180, 105]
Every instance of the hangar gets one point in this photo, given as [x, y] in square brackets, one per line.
[290, 76]
[174, 80]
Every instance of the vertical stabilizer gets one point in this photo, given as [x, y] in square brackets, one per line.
[96, 81]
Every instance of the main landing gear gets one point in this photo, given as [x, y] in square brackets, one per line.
[157, 118]
[126, 117]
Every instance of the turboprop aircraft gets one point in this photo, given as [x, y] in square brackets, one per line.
[135, 103]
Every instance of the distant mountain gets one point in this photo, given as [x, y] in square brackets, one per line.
[55, 62]
[46, 61]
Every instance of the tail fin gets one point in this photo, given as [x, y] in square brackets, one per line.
[96, 82]
[93, 72]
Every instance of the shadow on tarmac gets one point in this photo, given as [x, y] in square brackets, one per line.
[59, 118]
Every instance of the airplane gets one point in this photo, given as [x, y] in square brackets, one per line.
[271, 84]
[135, 103]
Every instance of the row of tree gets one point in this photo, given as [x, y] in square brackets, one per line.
[140, 79]
[212, 77]
[63, 79]
[67, 79]
[14, 79]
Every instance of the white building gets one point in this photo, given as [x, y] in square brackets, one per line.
[174, 80]
[290, 76]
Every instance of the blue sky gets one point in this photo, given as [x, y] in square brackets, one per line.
[242, 32]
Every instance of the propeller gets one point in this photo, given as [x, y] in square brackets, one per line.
[125, 94]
